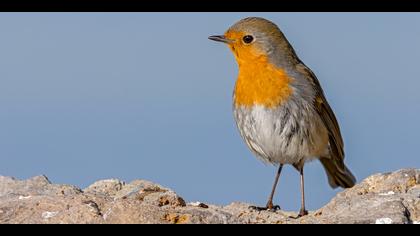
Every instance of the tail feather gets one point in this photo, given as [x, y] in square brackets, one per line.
[338, 174]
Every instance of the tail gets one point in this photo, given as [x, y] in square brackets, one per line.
[338, 174]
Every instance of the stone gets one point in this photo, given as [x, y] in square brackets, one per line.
[107, 187]
[389, 198]
[34, 186]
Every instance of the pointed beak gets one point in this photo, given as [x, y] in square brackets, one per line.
[220, 38]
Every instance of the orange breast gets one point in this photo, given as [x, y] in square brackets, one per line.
[261, 83]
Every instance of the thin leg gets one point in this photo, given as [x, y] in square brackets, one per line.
[303, 210]
[270, 205]
[273, 190]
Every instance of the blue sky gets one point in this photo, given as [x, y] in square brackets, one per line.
[88, 96]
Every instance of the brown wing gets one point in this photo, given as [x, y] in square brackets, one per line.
[338, 174]
[330, 121]
[325, 112]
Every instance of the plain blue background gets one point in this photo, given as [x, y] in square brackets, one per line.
[88, 96]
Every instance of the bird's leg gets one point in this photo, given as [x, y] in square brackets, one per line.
[273, 190]
[303, 211]
[270, 206]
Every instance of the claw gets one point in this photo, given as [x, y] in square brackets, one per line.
[271, 209]
[302, 213]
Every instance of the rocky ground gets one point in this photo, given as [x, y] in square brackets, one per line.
[381, 199]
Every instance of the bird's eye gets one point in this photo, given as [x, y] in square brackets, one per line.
[248, 39]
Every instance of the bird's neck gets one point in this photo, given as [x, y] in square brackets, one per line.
[261, 83]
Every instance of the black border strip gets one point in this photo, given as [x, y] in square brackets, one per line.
[209, 5]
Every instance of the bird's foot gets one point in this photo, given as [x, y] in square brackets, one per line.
[302, 213]
[266, 208]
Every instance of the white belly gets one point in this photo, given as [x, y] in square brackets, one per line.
[283, 135]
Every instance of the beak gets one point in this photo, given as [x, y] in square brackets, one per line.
[220, 38]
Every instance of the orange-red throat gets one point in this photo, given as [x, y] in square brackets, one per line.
[259, 81]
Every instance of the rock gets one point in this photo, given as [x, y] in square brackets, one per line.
[107, 187]
[34, 186]
[390, 198]
[383, 196]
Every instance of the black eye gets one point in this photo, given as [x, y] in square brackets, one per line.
[248, 39]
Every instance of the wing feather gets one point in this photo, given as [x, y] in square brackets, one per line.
[326, 113]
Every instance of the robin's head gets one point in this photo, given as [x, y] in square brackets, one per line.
[254, 37]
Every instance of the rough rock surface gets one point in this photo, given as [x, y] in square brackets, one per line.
[381, 199]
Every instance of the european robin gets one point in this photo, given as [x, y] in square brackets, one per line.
[279, 106]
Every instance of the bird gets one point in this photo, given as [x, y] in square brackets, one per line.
[279, 107]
